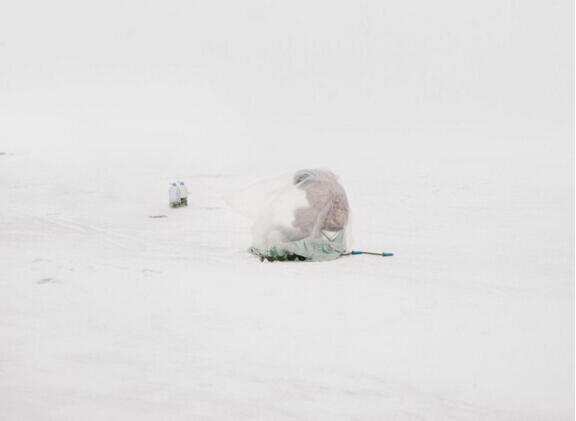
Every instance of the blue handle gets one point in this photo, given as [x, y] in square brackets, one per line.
[374, 254]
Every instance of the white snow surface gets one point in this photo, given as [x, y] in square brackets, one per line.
[452, 142]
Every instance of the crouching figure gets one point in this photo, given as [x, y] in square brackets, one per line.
[305, 220]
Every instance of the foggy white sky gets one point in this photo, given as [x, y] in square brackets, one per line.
[396, 78]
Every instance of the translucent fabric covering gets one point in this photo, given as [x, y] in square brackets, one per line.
[302, 217]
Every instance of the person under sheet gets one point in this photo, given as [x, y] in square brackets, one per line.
[306, 220]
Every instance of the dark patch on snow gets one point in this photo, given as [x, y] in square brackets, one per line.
[47, 281]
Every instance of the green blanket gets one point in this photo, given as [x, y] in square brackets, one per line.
[319, 248]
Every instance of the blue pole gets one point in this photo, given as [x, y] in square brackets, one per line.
[372, 253]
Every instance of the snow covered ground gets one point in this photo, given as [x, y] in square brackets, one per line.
[459, 165]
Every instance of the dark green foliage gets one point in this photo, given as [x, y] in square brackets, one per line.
[282, 258]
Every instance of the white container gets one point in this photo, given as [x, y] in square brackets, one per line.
[174, 195]
[183, 193]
